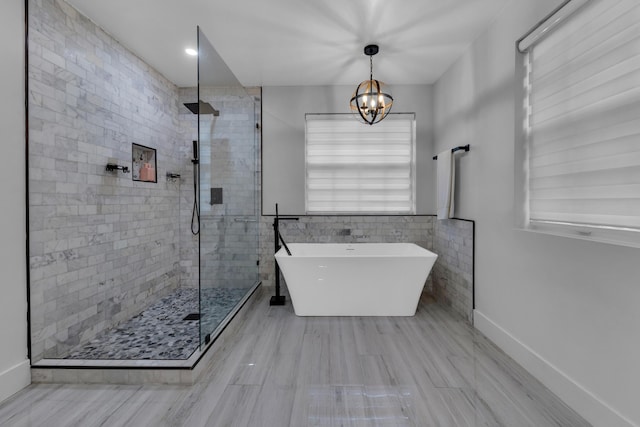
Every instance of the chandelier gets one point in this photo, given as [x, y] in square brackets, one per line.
[372, 100]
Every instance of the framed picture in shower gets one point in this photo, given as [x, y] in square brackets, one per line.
[143, 163]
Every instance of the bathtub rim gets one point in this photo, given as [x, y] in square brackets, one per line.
[415, 250]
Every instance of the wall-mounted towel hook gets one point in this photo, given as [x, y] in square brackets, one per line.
[112, 167]
[172, 176]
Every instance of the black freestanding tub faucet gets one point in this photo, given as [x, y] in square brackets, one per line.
[278, 299]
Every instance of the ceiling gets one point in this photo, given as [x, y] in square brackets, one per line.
[298, 42]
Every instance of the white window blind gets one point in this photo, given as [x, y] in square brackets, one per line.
[583, 122]
[355, 168]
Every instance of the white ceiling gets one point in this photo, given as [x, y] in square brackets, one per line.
[298, 42]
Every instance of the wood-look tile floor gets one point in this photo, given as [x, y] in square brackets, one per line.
[281, 370]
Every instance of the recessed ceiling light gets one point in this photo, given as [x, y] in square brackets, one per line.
[191, 52]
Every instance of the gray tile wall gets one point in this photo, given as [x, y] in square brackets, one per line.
[229, 159]
[453, 272]
[188, 125]
[102, 246]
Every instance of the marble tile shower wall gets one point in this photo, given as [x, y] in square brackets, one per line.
[188, 125]
[343, 229]
[229, 153]
[453, 271]
[101, 245]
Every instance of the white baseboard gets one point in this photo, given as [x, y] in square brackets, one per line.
[14, 379]
[592, 408]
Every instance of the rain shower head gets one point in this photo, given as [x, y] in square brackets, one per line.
[202, 108]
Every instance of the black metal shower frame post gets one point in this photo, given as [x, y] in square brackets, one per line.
[26, 159]
[197, 193]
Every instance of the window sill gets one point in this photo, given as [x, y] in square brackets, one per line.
[610, 235]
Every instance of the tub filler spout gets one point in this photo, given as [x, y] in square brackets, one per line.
[278, 299]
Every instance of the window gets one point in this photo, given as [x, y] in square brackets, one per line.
[581, 123]
[353, 168]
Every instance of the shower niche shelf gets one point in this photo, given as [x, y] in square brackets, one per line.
[144, 164]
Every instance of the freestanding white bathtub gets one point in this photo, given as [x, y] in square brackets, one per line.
[360, 279]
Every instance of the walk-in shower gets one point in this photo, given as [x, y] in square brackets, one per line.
[134, 269]
[228, 144]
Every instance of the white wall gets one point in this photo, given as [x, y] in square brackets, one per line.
[567, 310]
[283, 125]
[14, 365]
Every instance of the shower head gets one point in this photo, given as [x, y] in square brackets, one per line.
[202, 108]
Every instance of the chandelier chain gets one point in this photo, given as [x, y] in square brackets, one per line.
[370, 67]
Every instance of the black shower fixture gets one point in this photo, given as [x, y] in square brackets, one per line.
[195, 213]
[202, 108]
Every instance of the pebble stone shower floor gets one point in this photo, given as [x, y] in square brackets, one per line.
[160, 331]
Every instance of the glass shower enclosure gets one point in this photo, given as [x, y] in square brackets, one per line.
[143, 216]
[228, 148]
